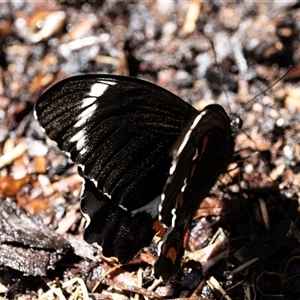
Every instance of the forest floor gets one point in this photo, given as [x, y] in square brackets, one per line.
[245, 242]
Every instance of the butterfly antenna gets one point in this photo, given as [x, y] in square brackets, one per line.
[219, 70]
[248, 136]
[234, 117]
[269, 87]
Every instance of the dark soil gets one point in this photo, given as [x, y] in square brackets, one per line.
[245, 242]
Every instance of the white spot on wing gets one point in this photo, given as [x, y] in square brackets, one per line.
[173, 212]
[196, 154]
[94, 182]
[82, 167]
[80, 144]
[88, 101]
[108, 196]
[67, 153]
[83, 150]
[160, 207]
[187, 136]
[169, 230]
[173, 167]
[184, 185]
[79, 137]
[122, 207]
[97, 89]
[108, 82]
[35, 115]
[87, 218]
[82, 118]
[184, 142]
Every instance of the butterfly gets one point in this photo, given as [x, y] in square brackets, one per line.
[147, 157]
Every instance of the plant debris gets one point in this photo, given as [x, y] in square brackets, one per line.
[244, 242]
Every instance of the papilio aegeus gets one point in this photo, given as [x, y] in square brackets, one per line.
[147, 158]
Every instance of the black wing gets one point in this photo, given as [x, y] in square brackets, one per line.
[118, 129]
[120, 233]
[200, 155]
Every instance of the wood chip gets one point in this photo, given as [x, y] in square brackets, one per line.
[192, 16]
[15, 153]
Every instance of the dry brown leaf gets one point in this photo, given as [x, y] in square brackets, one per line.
[9, 186]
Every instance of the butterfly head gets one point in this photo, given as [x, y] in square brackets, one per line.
[236, 124]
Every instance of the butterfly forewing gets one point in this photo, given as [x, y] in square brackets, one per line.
[118, 128]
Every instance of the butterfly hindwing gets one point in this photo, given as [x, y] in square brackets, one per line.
[206, 146]
[120, 233]
[200, 154]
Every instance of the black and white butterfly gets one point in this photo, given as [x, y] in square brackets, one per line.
[147, 157]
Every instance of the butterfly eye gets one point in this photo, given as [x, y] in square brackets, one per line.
[236, 124]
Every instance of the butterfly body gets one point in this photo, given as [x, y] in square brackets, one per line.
[121, 132]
